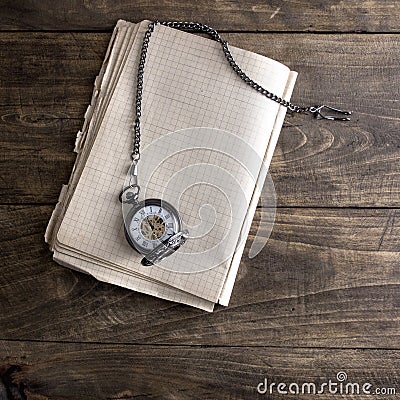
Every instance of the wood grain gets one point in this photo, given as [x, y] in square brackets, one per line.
[326, 277]
[74, 371]
[323, 294]
[316, 163]
[253, 15]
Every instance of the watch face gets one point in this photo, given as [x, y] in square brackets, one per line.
[149, 223]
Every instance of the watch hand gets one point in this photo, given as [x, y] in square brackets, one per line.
[151, 225]
[147, 229]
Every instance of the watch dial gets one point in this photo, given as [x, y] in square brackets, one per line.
[151, 223]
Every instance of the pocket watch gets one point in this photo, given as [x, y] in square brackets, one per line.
[153, 227]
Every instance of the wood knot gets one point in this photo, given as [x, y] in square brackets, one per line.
[37, 120]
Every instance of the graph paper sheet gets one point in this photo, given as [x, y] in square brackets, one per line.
[122, 39]
[116, 54]
[188, 84]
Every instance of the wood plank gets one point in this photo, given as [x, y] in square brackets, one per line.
[48, 76]
[46, 82]
[73, 371]
[316, 163]
[326, 278]
[253, 15]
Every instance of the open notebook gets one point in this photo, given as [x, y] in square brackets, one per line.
[215, 137]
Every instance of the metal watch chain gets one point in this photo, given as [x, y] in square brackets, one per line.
[130, 193]
[195, 26]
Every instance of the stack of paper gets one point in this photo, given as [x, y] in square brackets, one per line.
[207, 141]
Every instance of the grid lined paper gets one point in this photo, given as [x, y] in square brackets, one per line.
[188, 83]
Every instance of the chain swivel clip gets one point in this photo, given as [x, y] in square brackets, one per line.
[317, 113]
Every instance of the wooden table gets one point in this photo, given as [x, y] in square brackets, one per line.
[322, 297]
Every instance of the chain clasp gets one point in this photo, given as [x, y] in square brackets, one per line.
[317, 113]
